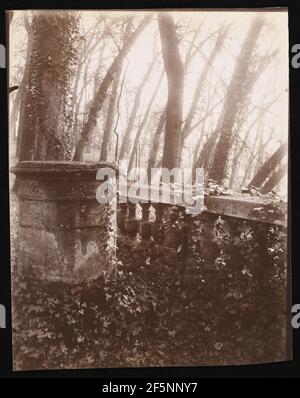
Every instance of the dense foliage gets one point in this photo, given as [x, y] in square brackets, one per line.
[166, 304]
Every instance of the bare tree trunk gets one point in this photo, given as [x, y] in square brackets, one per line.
[110, 116]
[203, 157]
[162, 120]
[274, 180]
[187, 128]
[143, 124]
[155, 142]
[44, 128]
[80, 63]
[175, 75]
[239, 151]
[101, 94]
[125, 142]
[238, 90]
[253, 155]
[269, 166]
[196, 150]
[206, 151]
[234, 165]
[117, 119]
[82, 93]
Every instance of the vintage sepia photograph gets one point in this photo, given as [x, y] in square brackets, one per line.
[148, 159]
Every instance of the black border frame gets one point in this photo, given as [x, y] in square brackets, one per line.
[274, 370]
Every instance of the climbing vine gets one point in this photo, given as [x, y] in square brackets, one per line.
[48, 114]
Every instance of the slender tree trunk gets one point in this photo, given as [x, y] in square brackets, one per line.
[274, 180]
[187, 128]
[234, 165]
[205, 153]
[238, 90]
[110, 116]
[83, 62]
[162, 120]
[195, 152]
[155, 142]
[143, 124]
[125, 142]
[175, 76]
[239, 151]
[117, 119]
[101, 94]
[269, 166]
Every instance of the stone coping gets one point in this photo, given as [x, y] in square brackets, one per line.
[60, 169]
[242, 206]
[248, 208]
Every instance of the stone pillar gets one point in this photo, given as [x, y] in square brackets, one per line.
[65, 233]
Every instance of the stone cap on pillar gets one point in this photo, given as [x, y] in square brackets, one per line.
[60, 169]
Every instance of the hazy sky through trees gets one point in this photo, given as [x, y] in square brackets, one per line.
[270, 90]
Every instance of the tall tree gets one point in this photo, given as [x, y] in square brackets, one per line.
[143, 124]
[155, 142]
[132, 118]
[241, 145]
[99, 98]
[274, 179]
[175, 76]
[187, 128]
[204, 158]
[44, 125]
[110, 116]
[107, 133]
[269, 166]
[238, 90]
[162, 120]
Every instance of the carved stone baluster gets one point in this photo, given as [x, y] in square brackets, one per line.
[231, 230]
[173, 232]
[122, 215]
[145, 226]
[186, 231]
[131, 222]
[209, 243]
[159, 212]
[158, 230]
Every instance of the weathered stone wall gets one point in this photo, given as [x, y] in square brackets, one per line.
[231, 260]
[65, 234]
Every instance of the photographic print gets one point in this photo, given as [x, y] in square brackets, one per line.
[148, 155]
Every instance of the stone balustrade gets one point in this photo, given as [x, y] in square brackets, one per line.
[66, 234]
[143, 218]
